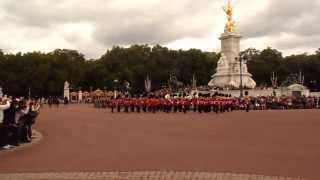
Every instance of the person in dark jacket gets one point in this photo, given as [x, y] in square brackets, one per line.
[9, 122]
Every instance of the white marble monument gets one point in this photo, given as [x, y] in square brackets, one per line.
[228, 68]
[66, 90]
[80, 96]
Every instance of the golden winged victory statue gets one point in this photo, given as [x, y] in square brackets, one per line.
[231, 24]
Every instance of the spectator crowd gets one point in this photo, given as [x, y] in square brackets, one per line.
[16, 119]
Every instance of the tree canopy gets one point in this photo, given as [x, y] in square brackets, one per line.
[45, 73]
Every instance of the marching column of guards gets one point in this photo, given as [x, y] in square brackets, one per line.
[183, 105]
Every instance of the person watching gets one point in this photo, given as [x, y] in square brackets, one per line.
[4, 105]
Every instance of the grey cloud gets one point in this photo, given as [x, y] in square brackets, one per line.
[162, 23]
[298, 17]
[153, 26]
[163, 30]
[306, 42]
[34, 13]
[113, 26]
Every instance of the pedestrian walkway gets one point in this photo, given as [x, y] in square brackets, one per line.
[141, 175]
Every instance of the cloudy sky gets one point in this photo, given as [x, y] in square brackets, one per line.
[93, 26]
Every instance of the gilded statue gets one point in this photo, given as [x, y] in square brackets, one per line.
[230, 26]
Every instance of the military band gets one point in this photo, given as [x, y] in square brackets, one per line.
[182, 105]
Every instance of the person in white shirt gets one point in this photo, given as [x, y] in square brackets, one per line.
[4, 105]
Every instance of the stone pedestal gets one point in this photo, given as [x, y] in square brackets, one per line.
[228, 67]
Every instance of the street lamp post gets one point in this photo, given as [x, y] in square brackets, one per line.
[241, 85]
[91, 95]
[29, 93]
[241, 60]
[274, 81]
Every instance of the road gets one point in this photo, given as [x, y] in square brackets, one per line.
[81, 138]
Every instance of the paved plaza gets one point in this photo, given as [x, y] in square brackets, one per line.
[80, 142]
[142, 175]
